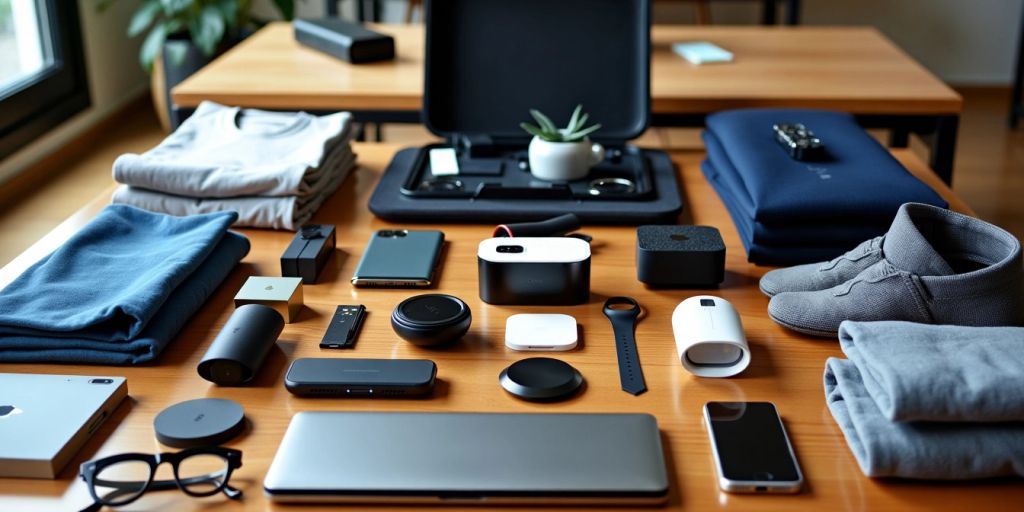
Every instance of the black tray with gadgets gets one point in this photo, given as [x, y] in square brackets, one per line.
[624, 174]
[488, 62]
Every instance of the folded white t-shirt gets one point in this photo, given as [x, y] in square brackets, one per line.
[228, 152]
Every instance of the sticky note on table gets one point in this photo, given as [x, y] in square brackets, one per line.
[701, 52]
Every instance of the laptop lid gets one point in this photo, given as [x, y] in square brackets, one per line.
[469, 458]
[45, 419]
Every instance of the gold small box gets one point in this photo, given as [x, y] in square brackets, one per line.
[284, 294]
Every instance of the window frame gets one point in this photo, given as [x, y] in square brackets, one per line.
[39, 102]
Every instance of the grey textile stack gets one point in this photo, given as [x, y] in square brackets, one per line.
[930, 401]
[933, 266]
[275, 169]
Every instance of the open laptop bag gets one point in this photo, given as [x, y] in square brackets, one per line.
[488, 62]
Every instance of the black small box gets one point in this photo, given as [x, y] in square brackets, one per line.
[309, 251]
[680, 256]
[347, 41]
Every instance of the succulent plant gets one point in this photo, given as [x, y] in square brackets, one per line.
[546, 130]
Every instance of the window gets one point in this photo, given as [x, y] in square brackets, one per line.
[42, 70]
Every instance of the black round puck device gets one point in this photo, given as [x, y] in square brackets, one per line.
[541, 378]
[431, 319]
[199, 422]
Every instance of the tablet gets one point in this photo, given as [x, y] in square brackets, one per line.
[472, 458]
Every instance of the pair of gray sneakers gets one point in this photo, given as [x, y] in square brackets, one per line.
[933, 266]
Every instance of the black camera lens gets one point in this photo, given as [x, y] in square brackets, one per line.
[400, 233]
[101, 381]
[385, 233]
[510, 249]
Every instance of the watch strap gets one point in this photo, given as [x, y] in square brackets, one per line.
[623, 313]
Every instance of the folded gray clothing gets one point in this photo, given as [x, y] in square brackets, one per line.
[918, 449]
[938, 267]
[939, 372]
[819, 276]
[288, 212]
[230, 152]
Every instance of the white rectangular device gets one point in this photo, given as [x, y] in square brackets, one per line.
[534, 270]
[45, 419]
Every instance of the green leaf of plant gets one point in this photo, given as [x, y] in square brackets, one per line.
[143, 17]
[229, 10]
[574, 120]
[544, 121]
[103, 5]
[207, 29]
[573, 137]
[173, 7]
[287, 8]
[154, 41]
[175, 52]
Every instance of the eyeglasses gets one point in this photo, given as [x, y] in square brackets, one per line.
[121, 479]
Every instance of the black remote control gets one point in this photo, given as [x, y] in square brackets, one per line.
[344, 327]
[799, 142]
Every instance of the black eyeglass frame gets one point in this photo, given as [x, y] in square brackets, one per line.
[90, 469]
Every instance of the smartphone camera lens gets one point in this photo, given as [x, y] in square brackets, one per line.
[101, 381]
[401, 233]
[510, 249]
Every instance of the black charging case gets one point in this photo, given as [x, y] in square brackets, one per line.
[680, 256]
[431, 319]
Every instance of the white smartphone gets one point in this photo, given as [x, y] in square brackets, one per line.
[751, 449]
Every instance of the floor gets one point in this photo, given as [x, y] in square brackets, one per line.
[989, 168]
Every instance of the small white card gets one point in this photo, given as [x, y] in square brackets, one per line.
[701, 52]
[443, 162]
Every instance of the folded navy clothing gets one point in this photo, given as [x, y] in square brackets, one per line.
[918, 449]
[920, 372]
[761, 253]
[119, 290]
[860, 179]
[809, 230]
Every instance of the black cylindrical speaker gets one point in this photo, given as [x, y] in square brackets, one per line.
[238, 350]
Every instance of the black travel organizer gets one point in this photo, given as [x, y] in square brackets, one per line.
[488, 62]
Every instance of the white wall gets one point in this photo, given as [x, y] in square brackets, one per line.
[964, 42]
[115, 79]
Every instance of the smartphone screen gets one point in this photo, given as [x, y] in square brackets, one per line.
[751, 448]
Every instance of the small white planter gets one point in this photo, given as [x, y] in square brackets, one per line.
[563, 161]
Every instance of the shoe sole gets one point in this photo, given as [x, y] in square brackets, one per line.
[804, 330]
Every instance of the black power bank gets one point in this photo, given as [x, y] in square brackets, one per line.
[347, 41]
[361, 378]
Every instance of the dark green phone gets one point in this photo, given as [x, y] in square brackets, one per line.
[399, 258]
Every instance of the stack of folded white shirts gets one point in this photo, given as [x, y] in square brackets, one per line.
[274, 168]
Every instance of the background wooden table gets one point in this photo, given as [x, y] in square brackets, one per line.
[851, 69]
[786, 368]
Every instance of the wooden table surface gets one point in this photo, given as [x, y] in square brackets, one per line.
[853, 69]
[785, 369]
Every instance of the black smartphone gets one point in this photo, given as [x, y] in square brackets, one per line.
[751, 449]
[399, 258]
[363, 378]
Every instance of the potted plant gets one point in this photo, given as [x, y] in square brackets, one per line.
[184, 35]
[562, 154]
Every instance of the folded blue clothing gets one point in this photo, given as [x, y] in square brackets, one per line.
[767, 254]
[118, 290]
[107, 281]
[920, 372]
[860, 179]
[809, 230]
[918, 449]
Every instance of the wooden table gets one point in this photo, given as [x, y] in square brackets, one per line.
[852, 69]
[786, 368]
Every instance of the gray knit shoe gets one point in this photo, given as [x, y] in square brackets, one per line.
[939, 267]
[819, 276]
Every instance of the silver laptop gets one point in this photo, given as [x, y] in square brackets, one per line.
[469, 458]
[45, 419]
